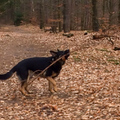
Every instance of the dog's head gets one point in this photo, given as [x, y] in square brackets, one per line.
[60, 54]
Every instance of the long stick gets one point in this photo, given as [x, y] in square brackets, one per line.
[44, 69]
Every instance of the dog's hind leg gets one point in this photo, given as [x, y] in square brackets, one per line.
[23, 76]
[53, 86]
[23, 88]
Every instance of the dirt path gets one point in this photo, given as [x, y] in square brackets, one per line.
[88, 86]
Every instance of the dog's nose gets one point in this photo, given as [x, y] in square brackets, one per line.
[67, 51]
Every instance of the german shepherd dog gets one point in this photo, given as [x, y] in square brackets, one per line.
[24, 68]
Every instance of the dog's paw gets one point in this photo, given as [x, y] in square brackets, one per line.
[51, 90]
[55, 89]
[30, 92]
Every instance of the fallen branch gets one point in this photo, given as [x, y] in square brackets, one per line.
[103, 36]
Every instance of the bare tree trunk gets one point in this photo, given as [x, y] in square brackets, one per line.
[72, 22]
[42, 14]
[113, 8]
[86, 15]
[66, 15]
[32, 8]
[33, 16]
[119, 12]
[110, 12]
[59, 16]
[103, 7]
[94, 16]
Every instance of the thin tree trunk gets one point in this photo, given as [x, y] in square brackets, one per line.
[42, 14]
[66, 15]
[85, 19]
[110, 12]
[94, 16]
[119, 12]
[59, 16]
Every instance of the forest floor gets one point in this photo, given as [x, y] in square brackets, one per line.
[88, 85]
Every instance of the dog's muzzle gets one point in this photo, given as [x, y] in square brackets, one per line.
[67, 53]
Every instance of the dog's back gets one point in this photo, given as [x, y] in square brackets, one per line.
[33, 64]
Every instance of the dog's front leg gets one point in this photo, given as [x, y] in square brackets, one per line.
[51, 87]
[52, 84]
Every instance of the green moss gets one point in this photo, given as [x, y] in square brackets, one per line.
[114, 61]
[77, 59]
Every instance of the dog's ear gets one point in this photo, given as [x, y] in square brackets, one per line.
[53, 53]
[67, 51]
[58, 50]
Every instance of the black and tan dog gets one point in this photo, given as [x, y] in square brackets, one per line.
[24, 67]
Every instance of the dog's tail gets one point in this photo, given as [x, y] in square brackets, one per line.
[8, 74]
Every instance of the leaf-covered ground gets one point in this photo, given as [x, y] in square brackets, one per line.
[88, 85]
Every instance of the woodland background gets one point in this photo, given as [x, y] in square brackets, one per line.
[62, 14]
[89, 82]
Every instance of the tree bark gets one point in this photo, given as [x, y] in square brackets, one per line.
[59, 16]
[110, 12]
[94, 16]
[42, 14]
[119, 12]
[66, 15]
